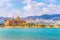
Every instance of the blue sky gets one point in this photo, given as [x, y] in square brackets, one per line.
[24, 8]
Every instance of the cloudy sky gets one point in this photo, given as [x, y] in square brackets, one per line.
[24, 8]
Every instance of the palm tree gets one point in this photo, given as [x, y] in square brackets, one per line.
[43, 26]
[29, 24]
[58, 25]
[51, 26]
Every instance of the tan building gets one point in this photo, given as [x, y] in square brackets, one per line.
[14, 21]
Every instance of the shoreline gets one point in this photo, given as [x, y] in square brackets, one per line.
[27, 27]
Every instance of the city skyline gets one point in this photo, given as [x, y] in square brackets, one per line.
[24, 8]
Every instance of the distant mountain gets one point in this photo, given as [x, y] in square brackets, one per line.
[2, 20]
[32, 18]
[45, 16]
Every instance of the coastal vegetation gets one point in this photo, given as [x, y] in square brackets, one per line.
[19, 23]
[30, 25]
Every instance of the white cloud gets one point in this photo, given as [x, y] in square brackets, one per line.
[40, 8]
[5, 0]
[9, 4]
[26, 1]
[45, 10]
[59, 6]
[40, 4]
[28, 7]
[7, 10]
[49, 1]
[54, 8]
[5, 3]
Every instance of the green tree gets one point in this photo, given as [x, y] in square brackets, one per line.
[43, 26]
[51, 26]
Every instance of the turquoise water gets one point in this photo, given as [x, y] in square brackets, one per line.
[30, 34]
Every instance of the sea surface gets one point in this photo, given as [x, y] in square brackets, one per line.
[29, 33]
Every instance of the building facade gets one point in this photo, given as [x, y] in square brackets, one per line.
[14, 21]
